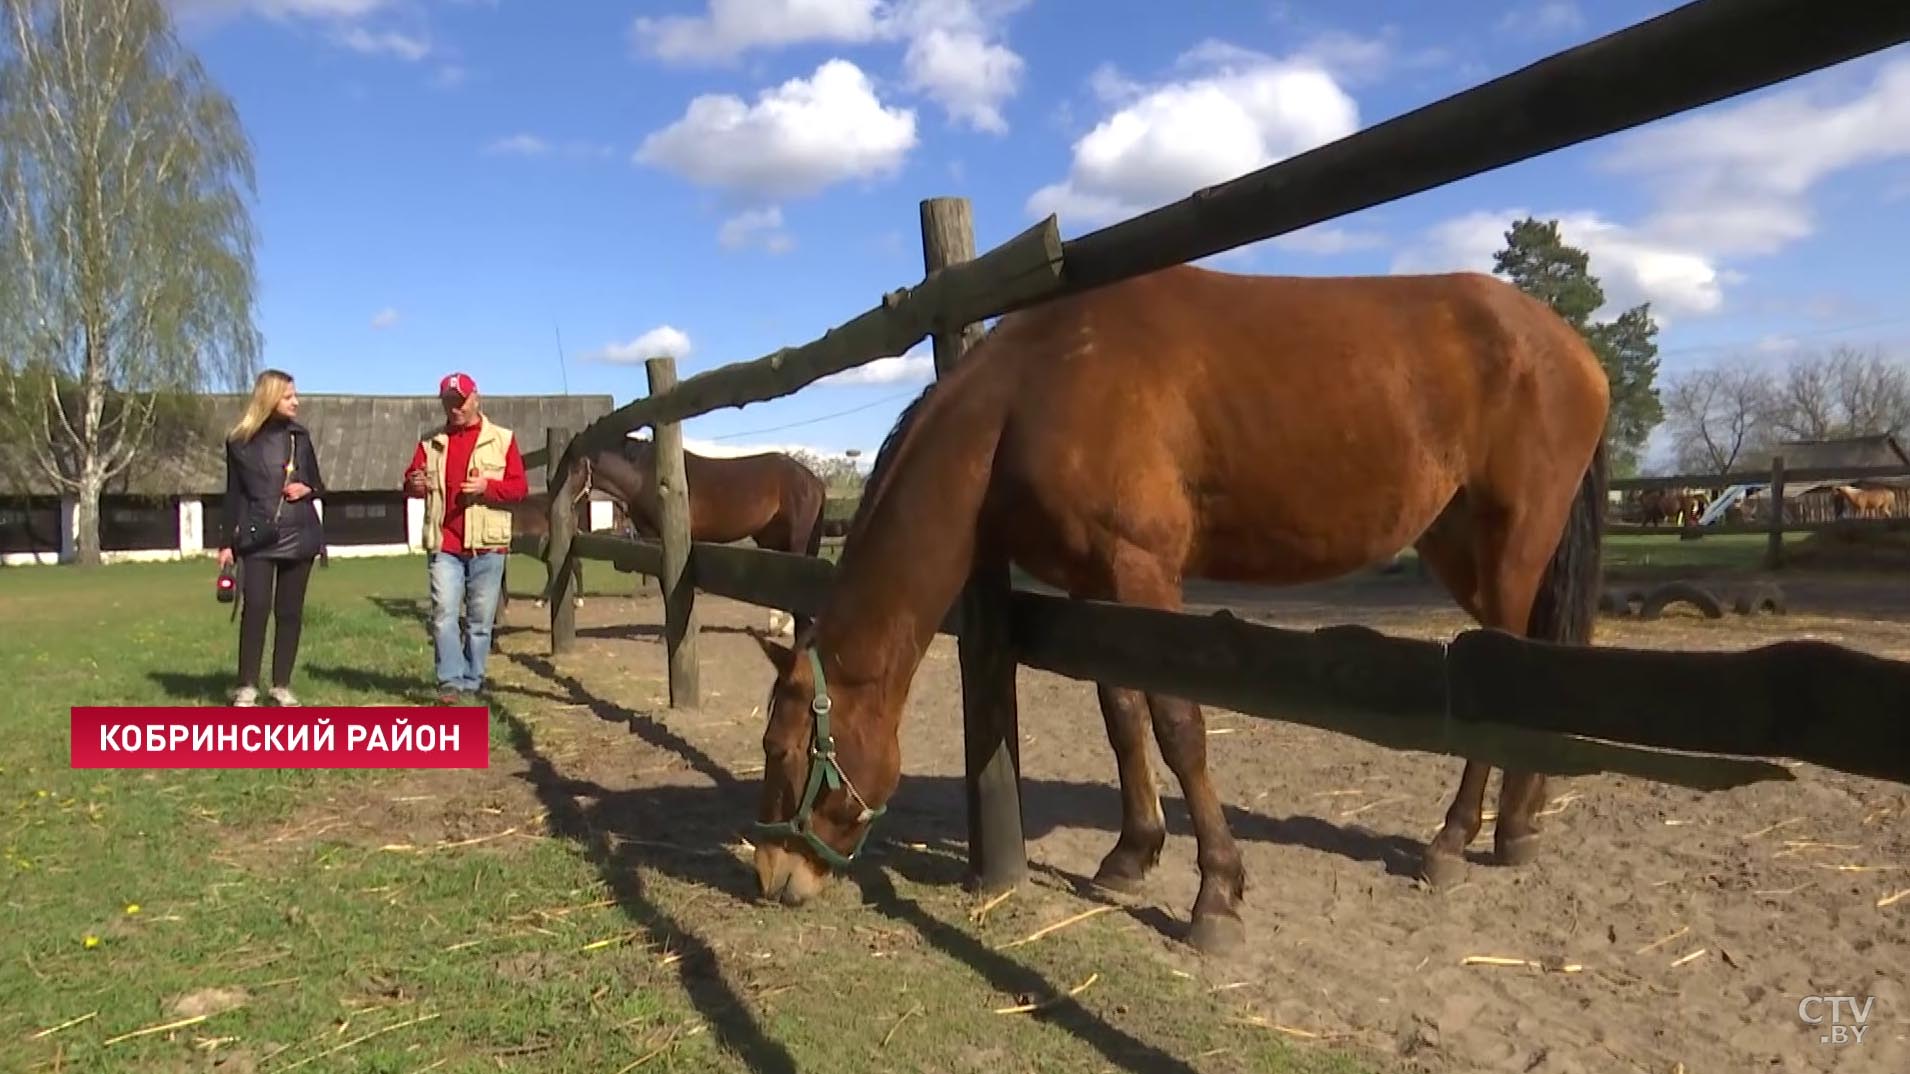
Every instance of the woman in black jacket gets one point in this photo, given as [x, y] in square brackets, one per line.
[272, 526]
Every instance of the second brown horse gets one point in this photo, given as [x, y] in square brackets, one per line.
[769, 497]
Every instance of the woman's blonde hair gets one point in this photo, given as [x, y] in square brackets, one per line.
[267, 390]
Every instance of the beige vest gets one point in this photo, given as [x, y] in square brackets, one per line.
[485, 526]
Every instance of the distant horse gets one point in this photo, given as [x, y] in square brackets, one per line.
[769, 497]
[1193, 423]
[1671, 506]
[1868, 503]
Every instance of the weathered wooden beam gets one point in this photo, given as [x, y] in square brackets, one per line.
[643, 557]
[773, 579]
[557, 557]
[1565, 710]
[679, 589]
[1809, 701]
[1025, 267]
[1691, 56]
[991, 718]
[1350, 680]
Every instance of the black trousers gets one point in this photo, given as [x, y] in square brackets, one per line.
[274, 587]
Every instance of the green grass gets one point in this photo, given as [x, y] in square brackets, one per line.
[125, 892]
[1732, 552]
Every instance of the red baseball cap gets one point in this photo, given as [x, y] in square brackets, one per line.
[461, 383]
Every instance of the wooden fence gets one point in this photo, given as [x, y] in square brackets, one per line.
[1775, 512]
[1486, 695]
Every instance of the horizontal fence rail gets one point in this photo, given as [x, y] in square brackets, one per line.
[1487, 695]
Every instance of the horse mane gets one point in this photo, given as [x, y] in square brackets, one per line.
[885, 455]
[879, 471]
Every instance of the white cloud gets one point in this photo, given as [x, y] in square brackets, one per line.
[659, 342]
[521, 145]
[1245, 111]
[719, 449]
[1737, 180]
[276, 9]
[953, 52]
[1552, 19]
[403, 46]
[916, 366]
[1328, 239]
[1631, 266]
[763, 227]
[384, 318]
[531, 145]
[797, 139]
[968, 74]
[733, 27]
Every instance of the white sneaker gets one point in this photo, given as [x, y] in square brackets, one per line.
[283, 696]
[247, 697]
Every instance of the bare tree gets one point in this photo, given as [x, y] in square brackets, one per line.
[128, 245]
[1847, 393]
[1872, 393]
[1715, 415]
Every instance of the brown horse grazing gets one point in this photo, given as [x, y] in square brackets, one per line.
[1868, 503]
[1452, 413]
[768, 497]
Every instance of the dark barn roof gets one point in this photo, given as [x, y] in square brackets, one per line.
[364, 441]
[1857, 453]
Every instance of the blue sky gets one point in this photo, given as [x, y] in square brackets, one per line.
[453, 184]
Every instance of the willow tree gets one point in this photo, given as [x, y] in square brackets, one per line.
[125, 239]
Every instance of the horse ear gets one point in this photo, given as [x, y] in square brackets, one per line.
[779, 655]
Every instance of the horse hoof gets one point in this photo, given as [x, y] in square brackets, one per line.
[1217, 935]
[1118, 883]
[1441, 870]
[1517, 850]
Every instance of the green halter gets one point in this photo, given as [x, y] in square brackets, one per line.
[823, 768]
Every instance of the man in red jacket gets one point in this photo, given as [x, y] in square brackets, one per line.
[463, 473]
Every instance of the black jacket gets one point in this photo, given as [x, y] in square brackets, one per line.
[254, 476]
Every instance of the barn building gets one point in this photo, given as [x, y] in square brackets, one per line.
[170, 506]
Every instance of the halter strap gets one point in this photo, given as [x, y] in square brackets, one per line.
[823, 769]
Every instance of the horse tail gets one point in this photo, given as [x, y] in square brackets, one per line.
[1566, 607]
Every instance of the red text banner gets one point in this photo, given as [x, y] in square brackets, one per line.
[314, 737]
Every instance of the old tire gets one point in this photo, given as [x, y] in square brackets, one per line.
[1759, 597]
[1671, 593]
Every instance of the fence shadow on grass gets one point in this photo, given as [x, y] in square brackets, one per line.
[679, 830]
[621, 864]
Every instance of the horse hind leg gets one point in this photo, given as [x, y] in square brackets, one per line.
[1446, 550]
[1535, 575]
[1143, 828]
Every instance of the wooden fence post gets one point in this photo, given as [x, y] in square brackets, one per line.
[991, 723]
[563, 527]
[679, 589]
[1774, 552]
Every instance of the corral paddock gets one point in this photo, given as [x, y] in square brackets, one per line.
[1774, 889]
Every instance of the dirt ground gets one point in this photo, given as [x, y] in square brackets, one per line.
[1697, 923]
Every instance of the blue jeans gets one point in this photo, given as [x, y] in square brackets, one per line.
[470, 584]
